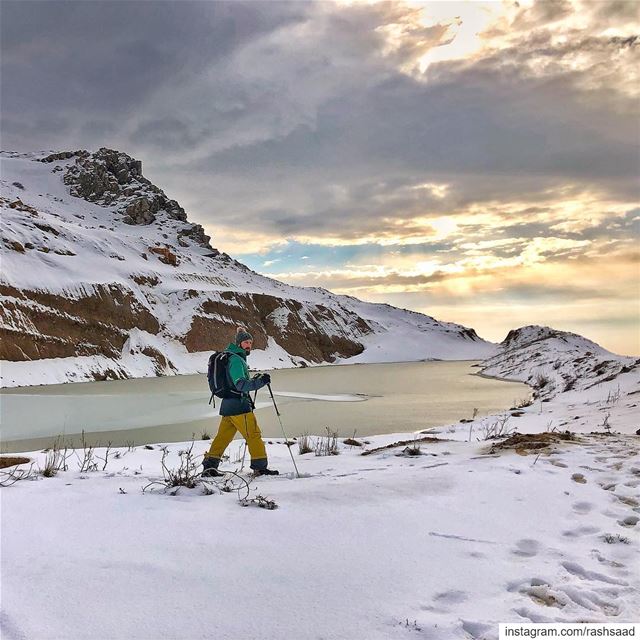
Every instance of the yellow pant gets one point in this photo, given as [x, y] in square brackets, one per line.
[247, 425]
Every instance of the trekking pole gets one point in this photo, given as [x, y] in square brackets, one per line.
[286, 439]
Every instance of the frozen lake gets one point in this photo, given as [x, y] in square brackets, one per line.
[366, 398]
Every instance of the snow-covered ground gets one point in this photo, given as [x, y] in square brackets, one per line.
[444, 545]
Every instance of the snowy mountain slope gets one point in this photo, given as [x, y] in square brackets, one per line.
[554, 362]
[576, 385]
[103, 277]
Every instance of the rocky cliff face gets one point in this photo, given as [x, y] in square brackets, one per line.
[98, 263]
[109, 177]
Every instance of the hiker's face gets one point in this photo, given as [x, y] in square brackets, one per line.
[246, 345]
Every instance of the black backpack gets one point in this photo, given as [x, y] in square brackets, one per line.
[218, 376]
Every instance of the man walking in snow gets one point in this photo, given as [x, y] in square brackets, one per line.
[237, 412]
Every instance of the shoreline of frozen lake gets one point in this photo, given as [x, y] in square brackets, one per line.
[367, 398]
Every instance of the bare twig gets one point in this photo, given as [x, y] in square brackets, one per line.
[497, 429]
[14, 474]
[86, 462]
[327, 445]
[106, 456]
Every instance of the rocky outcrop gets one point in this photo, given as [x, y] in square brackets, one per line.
[109, 177]
[312, 332]
[37, 324]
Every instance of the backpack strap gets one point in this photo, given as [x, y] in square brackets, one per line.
[232, 386]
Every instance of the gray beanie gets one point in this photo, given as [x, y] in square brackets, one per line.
[242, 334]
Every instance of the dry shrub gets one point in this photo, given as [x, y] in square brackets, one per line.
[497, 429]
[327, 445]
[304, 444]
[56, 459]
[186, 474]
[259, 501]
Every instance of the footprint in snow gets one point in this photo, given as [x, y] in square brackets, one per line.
[478, 630]
[526, 548]
[532, 616]
[451, 597]
[610, 563]
[580, 572]
[580, 531]
[629, 501]
[591, 600]
[582, 507]
[629, 521]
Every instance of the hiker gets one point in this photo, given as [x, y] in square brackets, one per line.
[237, 411]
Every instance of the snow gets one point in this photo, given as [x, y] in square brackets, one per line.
[444, 545]
[448, 544]
[343, 397]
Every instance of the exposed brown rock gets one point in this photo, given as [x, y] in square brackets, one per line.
[166, 255]
[63, 155]
[139, 212]
[19, 206]
[37, 324]
[208, 334]
[12, 461]
[46, 228]
[17, 346]
[107, 374]
[160, 362]
[304, 335]
[145, 280]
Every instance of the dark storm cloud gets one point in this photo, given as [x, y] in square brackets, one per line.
[105, 58]
[297, 116]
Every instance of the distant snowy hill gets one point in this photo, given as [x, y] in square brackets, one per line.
[555, 362]
[103, 276]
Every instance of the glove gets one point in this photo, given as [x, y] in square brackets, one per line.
[266, 378]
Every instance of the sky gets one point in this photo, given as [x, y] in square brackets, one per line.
[475, 161]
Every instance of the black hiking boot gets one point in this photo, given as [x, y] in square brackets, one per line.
[266, 472]
[210, 469]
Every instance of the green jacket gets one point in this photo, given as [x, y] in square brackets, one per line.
[239, 374]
